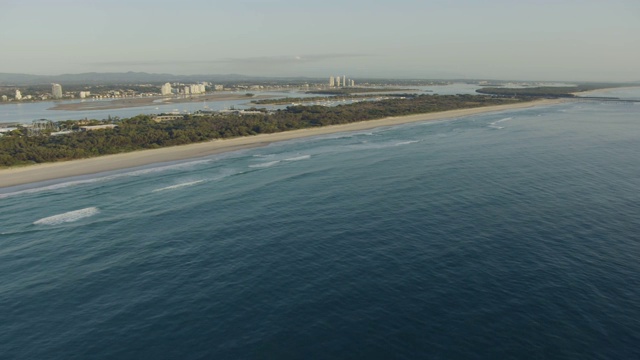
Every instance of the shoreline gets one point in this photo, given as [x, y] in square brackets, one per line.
[603, 90]
[59, 170]
[126, 103]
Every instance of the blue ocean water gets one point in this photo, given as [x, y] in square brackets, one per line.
[504, 235]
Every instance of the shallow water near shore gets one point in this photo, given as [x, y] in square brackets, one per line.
[504, 235]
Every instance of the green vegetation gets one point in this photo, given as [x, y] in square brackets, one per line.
[289, 100]
[545, 91]
[141, 132]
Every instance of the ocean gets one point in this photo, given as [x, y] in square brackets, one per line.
[510, 235]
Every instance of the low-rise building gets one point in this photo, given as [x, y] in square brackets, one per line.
[98, 127]
[161, 118]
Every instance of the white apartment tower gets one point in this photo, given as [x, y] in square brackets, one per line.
[18, 95]
[332, 81]
[166, 89]
[344, 80]
[338, 81]
[56, 91]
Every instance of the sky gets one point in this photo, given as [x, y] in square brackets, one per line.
[561, 40]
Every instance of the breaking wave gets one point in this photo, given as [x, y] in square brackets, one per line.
[177, 186]
[66, 184]
[298, 158]
[70, 216]
[495, 125]
[407, 142]
[265, 165]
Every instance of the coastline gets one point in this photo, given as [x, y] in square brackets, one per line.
[604, 90]
[60, 170]
[151, 101]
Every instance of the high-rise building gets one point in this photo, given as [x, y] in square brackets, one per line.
[18, 95]
[187, 90]
[166, 89]
[56, 91]
[353, 83]
[332, 81]
[344, 80]
[338, 81]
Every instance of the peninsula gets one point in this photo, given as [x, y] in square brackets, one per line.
[58, 170]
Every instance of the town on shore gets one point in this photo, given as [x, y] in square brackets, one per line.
[343, 101]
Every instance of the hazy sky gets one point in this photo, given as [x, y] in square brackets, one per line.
[500, 39]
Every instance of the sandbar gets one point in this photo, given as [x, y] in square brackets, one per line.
[59, 170]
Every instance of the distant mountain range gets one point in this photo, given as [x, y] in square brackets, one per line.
[7, 79]
[94, 78]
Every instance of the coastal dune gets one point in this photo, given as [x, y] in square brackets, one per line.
[59, 170]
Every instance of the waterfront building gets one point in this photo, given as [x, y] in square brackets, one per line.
[84, 94]
[332, 81]
[4, 97]
[56, 91]
[166, 89]
[338, 81]
[186, 90]
[18, 95]
[218, 87]
[353, 83]
[344, 80]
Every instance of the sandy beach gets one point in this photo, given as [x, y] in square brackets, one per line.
[60, 170]
[602, 92]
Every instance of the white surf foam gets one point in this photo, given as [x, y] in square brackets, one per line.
[407, 142]
[265, 165]
[70, 216]
[180, 166]
[298, 158]
[495, 123]
[49, 187]
[178, 186]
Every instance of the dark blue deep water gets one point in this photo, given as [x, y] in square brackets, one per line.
[513, 235]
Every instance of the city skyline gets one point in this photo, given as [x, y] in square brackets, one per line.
[562, 40]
